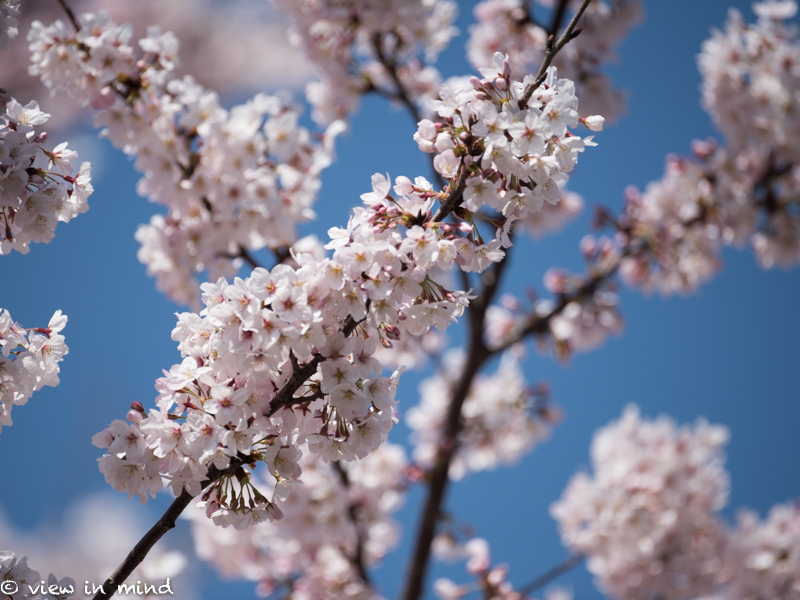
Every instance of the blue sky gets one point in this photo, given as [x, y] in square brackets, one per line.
[728, 353]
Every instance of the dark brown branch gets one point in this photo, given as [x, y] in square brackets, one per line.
[558, 16]
[352, 510]
[391, 66]
[477, 355]
[539, 324]
[70, 14]
[552, 50]
[157, 531]
[456, 191]
[284, 397]
[401, 95]
[547, 577]
[248, 258]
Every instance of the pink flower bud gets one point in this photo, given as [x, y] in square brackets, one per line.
[594, 122]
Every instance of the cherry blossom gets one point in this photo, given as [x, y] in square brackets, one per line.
[28, 360]
[507, 26]
[334, 525]
[360, 46]
[232, 181]
[503, 418]
[646, 519]
[38, 188]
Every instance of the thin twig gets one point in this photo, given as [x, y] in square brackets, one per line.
[70, 14]
[547, 577]
[550, 53]
[539, 324]
[558, 16]
[401, 95]
[358, 557]
[391, 67]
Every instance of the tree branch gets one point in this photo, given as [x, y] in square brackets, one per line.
[248, 258]
[477, 355]
[401, 94]
[391, 66]
[539, 324]
[70, 14]
[453, 198]
[552, 50]
[558, 16]
[358, 557]
[167, 521]
[157, 531]
[548, 576]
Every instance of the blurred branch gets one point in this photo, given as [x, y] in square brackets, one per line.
[70, 14]
[391, 66]
[554, 573]
[558, 16]
[401, 95]
[358, 557]
[477, 355]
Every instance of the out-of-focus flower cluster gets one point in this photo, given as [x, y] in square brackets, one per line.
[743, 191]
[28, 360]
[503, 418]
[95, 534]
[335, 524]
[647, 519]
[37, 186]
[9, 13]
[240, 68]
[25, 583]
[507, 26]
[490, 580]
[233, 181]
[764, 556]
[358, 46]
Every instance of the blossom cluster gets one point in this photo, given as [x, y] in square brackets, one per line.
[490, 580]
[508, 26]
[94, 533]
[359, 46]
[28, 360]
[37, 186]
[648, 523]
[28, 584]
[232, 181]
[743, 191]
[289, 338]
[502, 418]
[505, 153]
[338, 522]
[764, 556]
[9, 11]
[646, 519]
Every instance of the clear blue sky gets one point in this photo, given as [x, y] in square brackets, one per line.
[729, 353]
